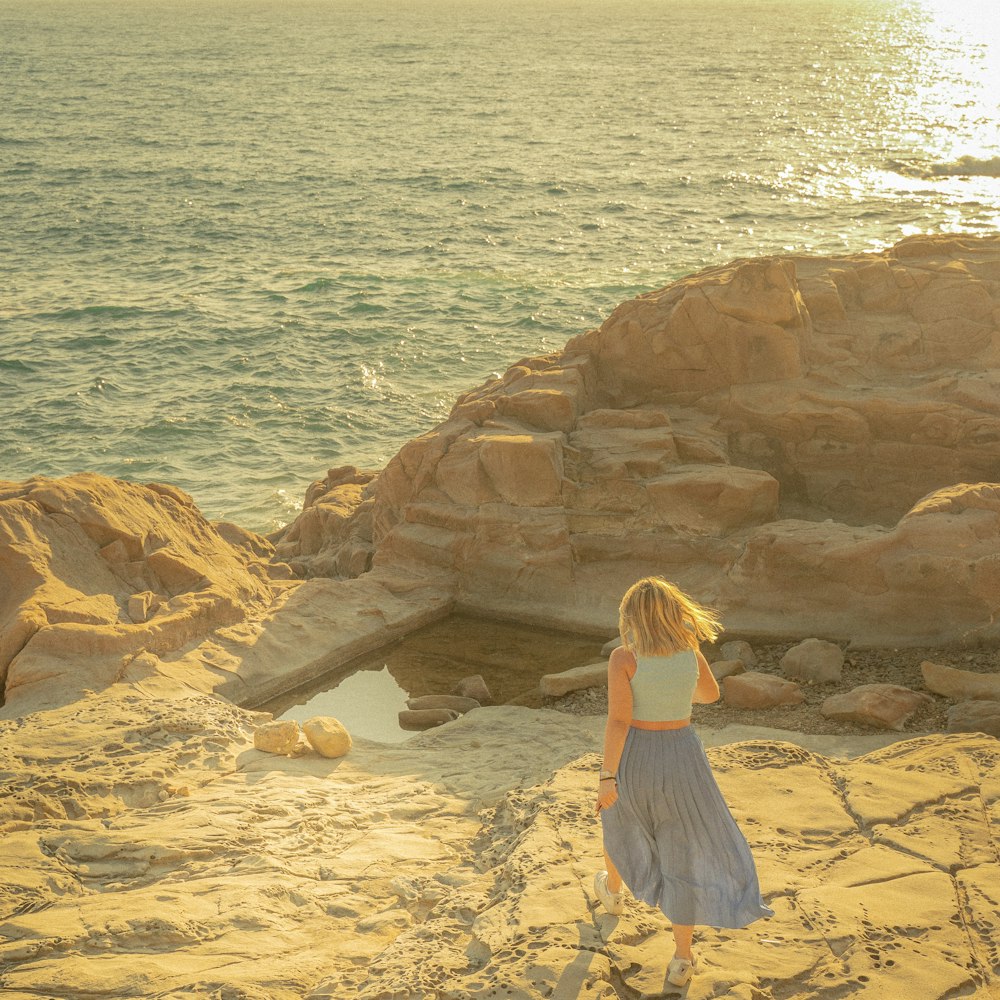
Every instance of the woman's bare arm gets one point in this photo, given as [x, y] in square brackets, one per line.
[707, 689]
[619, 720]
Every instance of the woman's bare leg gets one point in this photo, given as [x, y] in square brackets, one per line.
[614, 879]
[683, 934]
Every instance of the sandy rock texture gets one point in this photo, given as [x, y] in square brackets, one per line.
[150, 851]
[811, 444]
[95, 573]
[105, 581]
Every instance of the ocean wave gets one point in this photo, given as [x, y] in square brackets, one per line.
[110, 312]
[317, 285]
[963, 166]
[15, 365]
[968, 166]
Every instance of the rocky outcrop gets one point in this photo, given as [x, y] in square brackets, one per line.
[332, 536]
[812, 444]
[97, 574]
[104, 581]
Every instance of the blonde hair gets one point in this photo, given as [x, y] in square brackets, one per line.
[656, 617]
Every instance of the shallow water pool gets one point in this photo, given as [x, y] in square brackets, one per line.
[368, 696]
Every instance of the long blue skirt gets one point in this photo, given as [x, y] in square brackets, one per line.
[672, 837]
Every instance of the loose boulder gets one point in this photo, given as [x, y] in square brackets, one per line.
[426, 718]
[813, 661]
[327, 736]
[575, 679]
[975, 717]
[474, 687]
[754, 689]
[452, 702]
[738, 649]
[960, 685]
[722, 669]
[277, 737]
[885, 706]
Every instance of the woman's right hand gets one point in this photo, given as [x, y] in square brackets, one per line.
[607, 795]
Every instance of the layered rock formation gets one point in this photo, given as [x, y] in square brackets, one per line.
[812, 444]
[96, 575]
[104, 581]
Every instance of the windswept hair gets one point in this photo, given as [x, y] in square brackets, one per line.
[656, 617]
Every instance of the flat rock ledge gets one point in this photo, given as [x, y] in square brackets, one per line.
[150, 851]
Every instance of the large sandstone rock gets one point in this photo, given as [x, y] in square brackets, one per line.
[960, 685]
[755, 689]
[886, 706]
[96, 573]
[146, 854]
[811, 444]
[975, 717]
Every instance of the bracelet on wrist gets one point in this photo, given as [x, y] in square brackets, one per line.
[608, 776]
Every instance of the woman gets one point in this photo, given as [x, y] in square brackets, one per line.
[668, 832]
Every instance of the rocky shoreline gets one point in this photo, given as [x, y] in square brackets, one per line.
[862, 667]
[810, 444]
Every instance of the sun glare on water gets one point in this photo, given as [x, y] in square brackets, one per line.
[966, 37]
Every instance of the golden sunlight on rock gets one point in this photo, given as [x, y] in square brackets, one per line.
[810, 443]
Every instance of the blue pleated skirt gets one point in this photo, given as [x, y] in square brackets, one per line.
[672, 837]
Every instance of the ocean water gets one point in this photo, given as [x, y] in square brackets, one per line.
[242, 241]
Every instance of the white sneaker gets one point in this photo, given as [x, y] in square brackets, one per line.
[614, 902]
[680, 970]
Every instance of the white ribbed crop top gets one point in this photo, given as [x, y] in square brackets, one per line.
[663, 686]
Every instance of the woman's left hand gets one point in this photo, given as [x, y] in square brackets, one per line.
[607, 795]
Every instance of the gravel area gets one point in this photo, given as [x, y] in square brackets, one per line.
[869, 666]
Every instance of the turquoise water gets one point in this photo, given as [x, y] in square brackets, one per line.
[242, 242]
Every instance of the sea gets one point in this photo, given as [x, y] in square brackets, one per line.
[245, 241]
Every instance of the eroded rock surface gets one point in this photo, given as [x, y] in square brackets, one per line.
[161, 855]
[104, 581]
[812, 444]
[96, 573]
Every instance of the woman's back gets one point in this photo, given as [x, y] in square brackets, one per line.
[663, 686]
